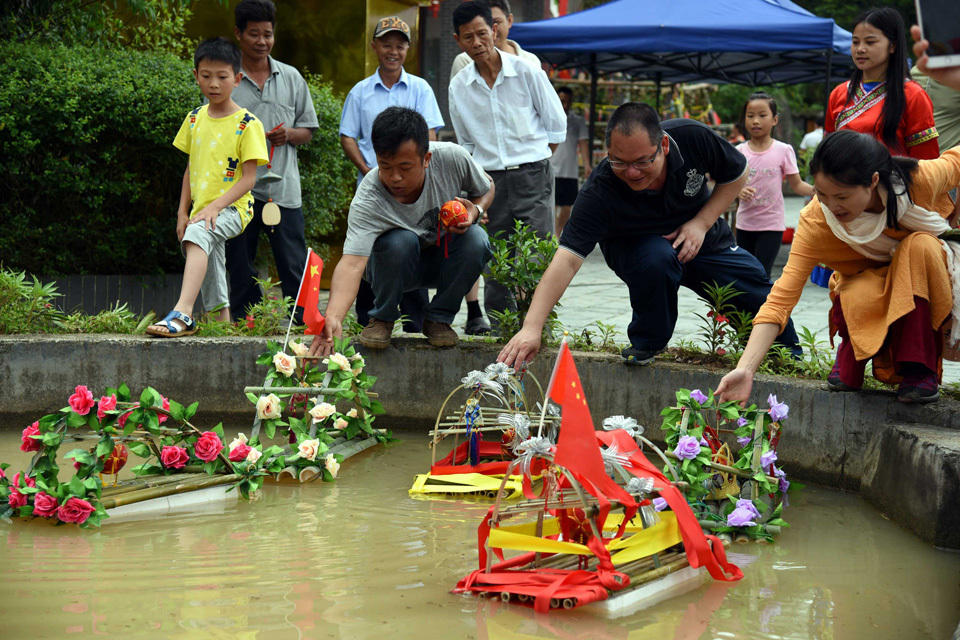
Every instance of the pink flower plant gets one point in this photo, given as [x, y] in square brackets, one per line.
[107, 403]
[82, 400]
[44, 505]
[75, 510]
[29, 443]
[174, 457]
[208, 446]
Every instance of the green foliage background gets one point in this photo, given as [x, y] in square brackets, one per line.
[90, 178]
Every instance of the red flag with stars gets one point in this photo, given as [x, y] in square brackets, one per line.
[577, 448]
[309, 295]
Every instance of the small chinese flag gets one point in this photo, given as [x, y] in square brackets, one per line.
[309, 295]
[577, 447]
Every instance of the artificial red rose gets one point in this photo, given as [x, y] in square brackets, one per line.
[208, 446]
[106, 404]
[82, 400]
[122, 420]
[239, 452]
[16, 499]
[27, 480]
[44, 505]
[31, 444]
[166, 407]
[174, 457]
[75, 510]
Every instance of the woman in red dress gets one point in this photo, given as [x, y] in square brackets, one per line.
[880, 99]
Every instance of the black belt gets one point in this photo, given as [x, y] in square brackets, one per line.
[525, 165]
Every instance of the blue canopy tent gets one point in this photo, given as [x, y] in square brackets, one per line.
[751, 42]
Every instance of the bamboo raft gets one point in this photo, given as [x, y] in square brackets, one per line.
[194, 490]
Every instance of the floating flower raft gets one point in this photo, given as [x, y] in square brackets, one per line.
[574, 547]
[606, 525]
[297, 400]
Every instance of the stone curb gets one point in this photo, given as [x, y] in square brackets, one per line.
[859, 441]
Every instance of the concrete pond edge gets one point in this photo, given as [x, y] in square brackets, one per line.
[904, 459]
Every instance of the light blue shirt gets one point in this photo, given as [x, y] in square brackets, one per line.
[369, 97]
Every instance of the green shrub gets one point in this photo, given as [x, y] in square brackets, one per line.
[327, 177]
[91, 177]
[26, 306]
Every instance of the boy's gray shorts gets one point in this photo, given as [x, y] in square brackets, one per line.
[229, 225]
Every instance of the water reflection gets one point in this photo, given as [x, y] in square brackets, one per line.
[361, 559]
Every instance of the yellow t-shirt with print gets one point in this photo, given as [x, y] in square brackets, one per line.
[218, 147]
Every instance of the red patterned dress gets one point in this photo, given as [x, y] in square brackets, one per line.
[916, 135]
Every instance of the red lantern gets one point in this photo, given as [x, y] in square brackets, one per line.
[115, 461]
[435, 8]
[453, 213]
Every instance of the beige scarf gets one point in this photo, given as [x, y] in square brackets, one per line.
[864, 234]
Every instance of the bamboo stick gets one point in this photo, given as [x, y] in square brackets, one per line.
[138, 484]
[149, 493]
[310, 391]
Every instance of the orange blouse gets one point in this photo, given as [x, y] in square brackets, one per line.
[873, 294]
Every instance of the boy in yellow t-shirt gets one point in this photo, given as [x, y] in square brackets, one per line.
[225, 144]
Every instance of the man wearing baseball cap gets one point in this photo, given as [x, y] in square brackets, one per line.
[389, 86]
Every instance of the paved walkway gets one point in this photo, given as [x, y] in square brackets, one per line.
[597, 294]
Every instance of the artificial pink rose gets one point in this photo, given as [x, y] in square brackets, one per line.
[75, 510]
[31, 444]
[44, 505]
[16, 499]
[174, 457]
[27, 480]
[122, 420]
[239, 452]
[166, 407]
[208, 446]
[3, 476]
[82, 400]
[106, 404]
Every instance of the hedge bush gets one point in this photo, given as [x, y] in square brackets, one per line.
[91, 180]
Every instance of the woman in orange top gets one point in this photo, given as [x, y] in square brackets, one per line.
[874, 221]
[880, 99]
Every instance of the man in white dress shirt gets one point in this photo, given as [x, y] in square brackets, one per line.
[508, 116]
[502, 21]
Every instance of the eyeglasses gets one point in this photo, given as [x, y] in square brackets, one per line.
[643, 163]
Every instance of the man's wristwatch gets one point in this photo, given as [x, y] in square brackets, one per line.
[479, 214]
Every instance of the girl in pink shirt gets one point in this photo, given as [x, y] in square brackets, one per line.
[760, 223]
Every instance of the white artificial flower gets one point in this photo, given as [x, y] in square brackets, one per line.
[332, 465]
[308, 449]
[268, 407]
[322, 411]
[284, 364]
[340, 360]
[236, 442]
[254, 455]
[298, 348]
[352, 413]
[340, 423]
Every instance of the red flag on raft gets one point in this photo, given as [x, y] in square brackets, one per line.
[309, 295]
[577, 448]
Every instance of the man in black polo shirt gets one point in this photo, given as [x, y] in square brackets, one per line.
[658, 225]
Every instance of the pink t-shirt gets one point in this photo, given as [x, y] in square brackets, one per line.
[767, 172]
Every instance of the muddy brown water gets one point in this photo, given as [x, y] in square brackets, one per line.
[360, 558]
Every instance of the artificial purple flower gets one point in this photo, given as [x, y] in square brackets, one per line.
[703, 442]
[782, 476]
[744, 440]
[697, 395]
[749, 506]
[768, 458]
[740, 517]
[687, 448]
[659, 504]
[742, 422]
[778, 410]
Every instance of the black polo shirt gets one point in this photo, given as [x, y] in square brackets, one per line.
[608, 209]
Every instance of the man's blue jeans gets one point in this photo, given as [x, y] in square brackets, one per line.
[398, 264]
[648, 265]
